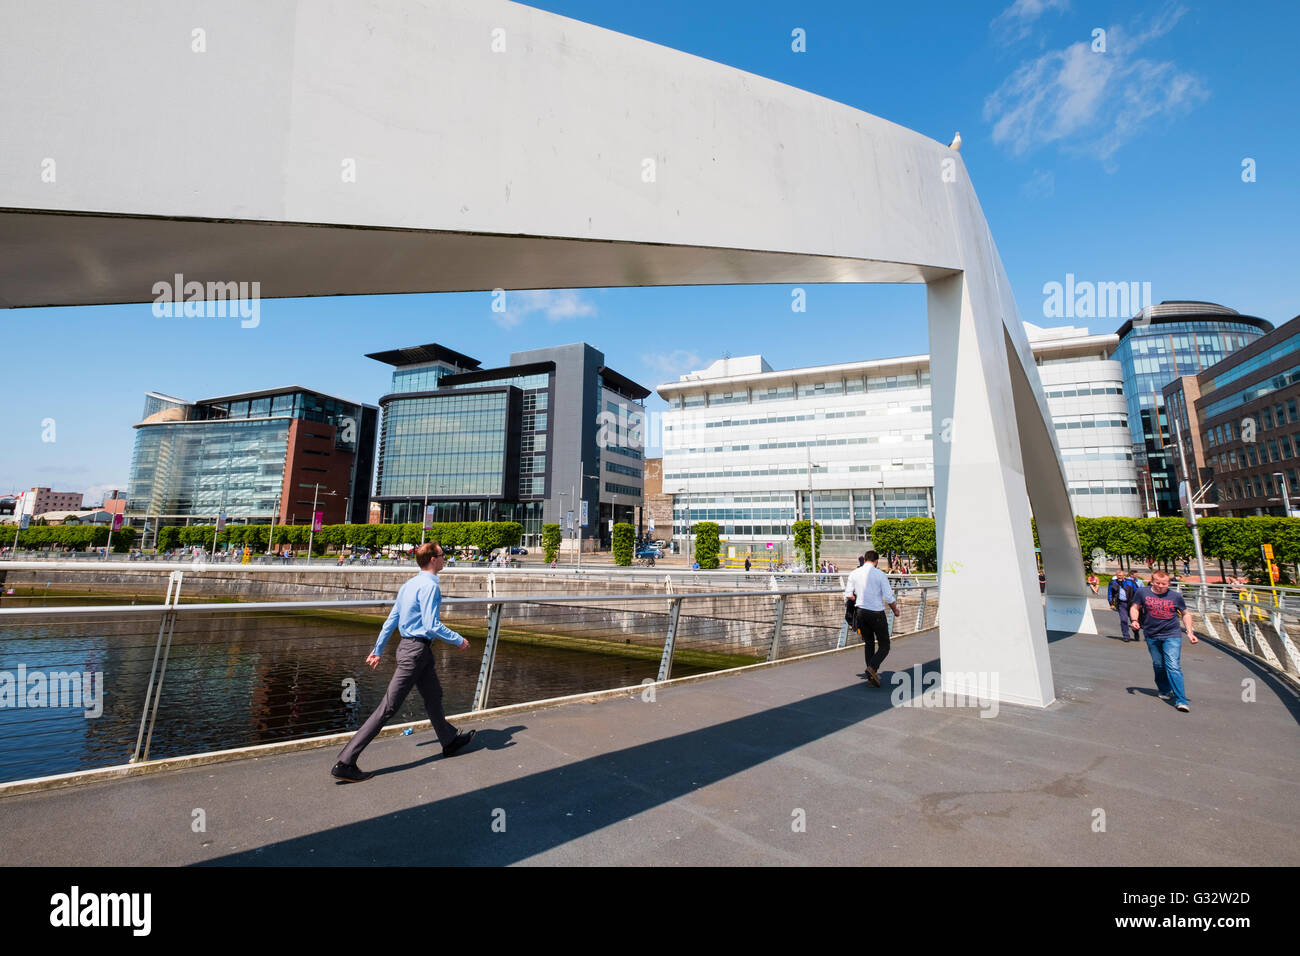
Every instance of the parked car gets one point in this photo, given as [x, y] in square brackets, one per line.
[649, 551]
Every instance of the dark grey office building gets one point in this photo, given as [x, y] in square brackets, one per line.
[521, 442]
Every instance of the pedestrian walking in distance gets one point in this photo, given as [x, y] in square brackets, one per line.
[415, 617]
[1159, 611]
[1119, 594]
[869, 588]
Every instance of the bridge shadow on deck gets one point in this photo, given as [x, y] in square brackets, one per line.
[547, 809]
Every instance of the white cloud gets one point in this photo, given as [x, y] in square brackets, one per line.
[1092, 103]
[1040, 185]
[671, 364]
[95, 494]
[555, 306]
[1013, 23]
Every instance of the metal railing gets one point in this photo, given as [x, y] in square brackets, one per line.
[282, 582]
[1258, 620]
[191, 678]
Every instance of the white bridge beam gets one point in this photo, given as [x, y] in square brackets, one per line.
[335, 147]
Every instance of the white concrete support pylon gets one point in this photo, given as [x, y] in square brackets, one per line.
[1066, 606]
[991, 625]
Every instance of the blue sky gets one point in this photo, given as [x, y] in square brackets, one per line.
[1122, 165]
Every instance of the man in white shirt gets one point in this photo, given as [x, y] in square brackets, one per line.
[869, 588]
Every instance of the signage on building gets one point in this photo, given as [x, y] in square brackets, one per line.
[769, 546]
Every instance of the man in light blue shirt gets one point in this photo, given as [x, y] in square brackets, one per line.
[415, 617]
[870, 590]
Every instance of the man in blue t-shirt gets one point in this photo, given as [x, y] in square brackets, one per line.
[1159, 611]
[1120, 594]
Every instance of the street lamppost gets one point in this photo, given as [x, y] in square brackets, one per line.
[424, 515]
[812, 514]
[564, 513]
[577, 518]
[1191, 508]
[270, 535]
[221, 509]
[312, 533]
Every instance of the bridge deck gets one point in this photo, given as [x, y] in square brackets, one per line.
[714, 772]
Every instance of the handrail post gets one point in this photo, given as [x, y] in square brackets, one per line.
[777, 618]
[489, 660]
[144, 737]
[920, 612]
[844, 635]
[670, 639]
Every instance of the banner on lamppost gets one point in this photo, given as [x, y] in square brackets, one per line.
[24, 522]
[584, 512]
[221, 522]
[568, 521]
[316, 520]
[428, 518]
[652, 525]
[117, 522]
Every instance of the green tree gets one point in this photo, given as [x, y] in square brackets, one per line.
[707, 544]
[1090, 539]
[919, 541]
[802, 544]
[1170, 538]
[551, 541]
[624, 543]
[1125, 538]
[887, 535]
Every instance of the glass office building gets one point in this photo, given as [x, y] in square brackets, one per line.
[508, 443]
[253, 457]
[1160, 344]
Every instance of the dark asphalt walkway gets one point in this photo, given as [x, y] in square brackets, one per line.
[722, 771]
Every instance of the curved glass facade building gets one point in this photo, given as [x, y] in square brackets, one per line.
[256, 456]
[1160, 344]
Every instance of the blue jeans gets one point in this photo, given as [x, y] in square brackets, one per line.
[1166, 658]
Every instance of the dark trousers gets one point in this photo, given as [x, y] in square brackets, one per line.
[873, 626]
[414, 669]
[1125, 624]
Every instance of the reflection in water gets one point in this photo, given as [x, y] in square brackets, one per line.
[235, 680]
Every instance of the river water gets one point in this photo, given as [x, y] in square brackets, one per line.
[237, 680]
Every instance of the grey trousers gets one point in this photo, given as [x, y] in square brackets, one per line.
[414, 669]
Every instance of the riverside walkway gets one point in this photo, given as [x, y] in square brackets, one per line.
[794, 763]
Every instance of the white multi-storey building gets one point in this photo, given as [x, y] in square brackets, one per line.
[748, 446]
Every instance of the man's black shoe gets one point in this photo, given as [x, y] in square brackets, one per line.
[458, 743]
[873, 677]
[350, 772]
